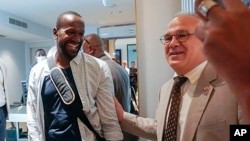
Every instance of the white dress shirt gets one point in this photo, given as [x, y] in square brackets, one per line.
[187, 91]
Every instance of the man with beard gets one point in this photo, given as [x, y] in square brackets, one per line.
[49, 117]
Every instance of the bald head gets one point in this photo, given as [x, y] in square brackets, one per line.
[95, 40]
[93, 45]
[61, 17]
[187, 20]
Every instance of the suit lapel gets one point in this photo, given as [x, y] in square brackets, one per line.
[203, 91]
[163, 108]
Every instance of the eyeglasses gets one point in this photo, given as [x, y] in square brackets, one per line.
[181, 36]
[87, 41]
[92, 45]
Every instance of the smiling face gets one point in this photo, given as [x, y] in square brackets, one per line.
[183, 52]
[69, 35]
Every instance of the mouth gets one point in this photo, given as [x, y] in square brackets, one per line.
[73, 45]
[175, 53]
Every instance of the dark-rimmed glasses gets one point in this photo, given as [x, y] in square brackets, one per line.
[87, 42]
[181, 36]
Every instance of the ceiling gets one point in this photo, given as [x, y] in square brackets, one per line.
[45, 12]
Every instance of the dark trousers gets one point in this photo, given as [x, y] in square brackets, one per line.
[3, 114]
[129, 137]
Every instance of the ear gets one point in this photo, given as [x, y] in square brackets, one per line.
[91, 50]
[55, 35]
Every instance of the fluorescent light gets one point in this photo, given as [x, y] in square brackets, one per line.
[107, 3]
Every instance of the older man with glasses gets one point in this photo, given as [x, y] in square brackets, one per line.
[196, 105]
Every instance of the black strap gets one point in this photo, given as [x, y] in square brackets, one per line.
[65, 93]
[85, 120]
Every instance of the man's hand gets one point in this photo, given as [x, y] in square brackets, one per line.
[119, 109]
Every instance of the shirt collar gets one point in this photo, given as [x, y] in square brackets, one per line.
[195, 73]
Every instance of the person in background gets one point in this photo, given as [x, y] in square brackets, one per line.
[133, 76]
[226, 43]
[94, 45]
[40, 55]
[48, 117]
[124, 65]
[4, 105]
[207, 106]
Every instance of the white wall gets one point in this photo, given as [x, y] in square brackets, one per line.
[33, 30]
[13, 54]
[152, 18]
[89, 29]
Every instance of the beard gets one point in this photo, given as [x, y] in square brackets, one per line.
[68, 52]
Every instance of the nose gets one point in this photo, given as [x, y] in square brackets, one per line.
[77, 38]
[174, 42]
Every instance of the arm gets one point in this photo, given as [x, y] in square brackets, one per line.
[3, 70]
[143, 127]
[33, 133]
[106, 109]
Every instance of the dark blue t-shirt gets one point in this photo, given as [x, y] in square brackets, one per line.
[60, 119]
